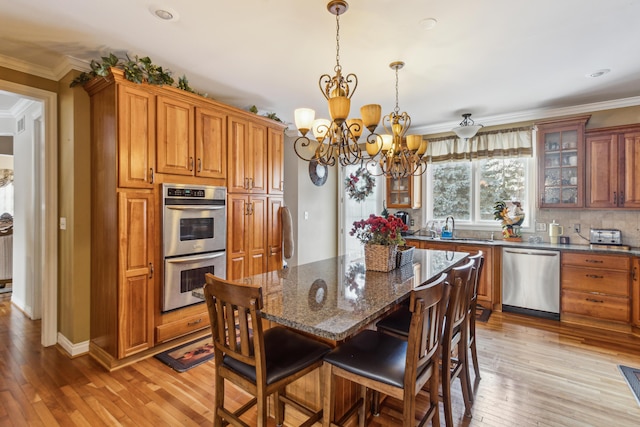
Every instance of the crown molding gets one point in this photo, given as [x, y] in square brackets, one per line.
[534, 114]
[66, 64]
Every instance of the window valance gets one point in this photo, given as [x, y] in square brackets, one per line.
[515, 142]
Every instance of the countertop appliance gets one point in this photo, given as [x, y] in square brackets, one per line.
[531, 282]
[404, 216]
[605, 236]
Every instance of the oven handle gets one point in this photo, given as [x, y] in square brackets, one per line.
[194, 208]
[194, 258]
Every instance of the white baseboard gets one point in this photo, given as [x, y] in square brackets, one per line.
[71, 348]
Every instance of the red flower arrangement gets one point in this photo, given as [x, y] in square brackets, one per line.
[378, 230]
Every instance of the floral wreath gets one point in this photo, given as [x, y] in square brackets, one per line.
[356, 189]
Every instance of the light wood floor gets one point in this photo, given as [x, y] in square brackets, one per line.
[534, 373]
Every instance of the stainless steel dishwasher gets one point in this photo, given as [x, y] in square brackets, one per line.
[531, 282]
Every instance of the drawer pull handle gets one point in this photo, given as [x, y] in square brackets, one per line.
[594, 300]
[594, 276]
[594, 261]
[195, 322]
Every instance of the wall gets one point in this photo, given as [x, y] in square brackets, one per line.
[74, 243]
[316, 236]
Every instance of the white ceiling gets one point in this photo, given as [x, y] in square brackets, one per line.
[491, 58]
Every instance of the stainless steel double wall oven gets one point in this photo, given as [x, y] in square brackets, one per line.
[194, 222]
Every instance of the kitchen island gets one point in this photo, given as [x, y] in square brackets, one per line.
[335, 298]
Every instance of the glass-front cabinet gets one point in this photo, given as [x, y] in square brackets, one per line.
[404, 192]
[561, 162]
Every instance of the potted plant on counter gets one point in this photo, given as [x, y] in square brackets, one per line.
[381, 237]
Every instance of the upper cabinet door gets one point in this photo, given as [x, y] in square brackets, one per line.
[561, 162]
[136, 137]
[630, 197]
[276, 161]
[211, 143]
[237, 135]
[175, 146]
[602, 171]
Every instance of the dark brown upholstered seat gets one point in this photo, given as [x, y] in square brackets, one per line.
[396, 367]
[261, 363]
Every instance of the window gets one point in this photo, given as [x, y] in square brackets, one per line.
[469, 190]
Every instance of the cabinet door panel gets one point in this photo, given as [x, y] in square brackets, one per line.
[175, 148]
[238, 133]
[274, 234]
[602, 171]
[136, 135]
[211, 143]
[631, 178]
[276, 161]
[256, 231]
[256, 162]
[135, 289]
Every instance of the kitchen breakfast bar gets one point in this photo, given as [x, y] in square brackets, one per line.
[335, 298]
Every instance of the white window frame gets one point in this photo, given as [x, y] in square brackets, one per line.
[485, 225]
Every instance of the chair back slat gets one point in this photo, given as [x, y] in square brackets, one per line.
[459, 279]
[478, 262]
[234, 312]
[426, 320]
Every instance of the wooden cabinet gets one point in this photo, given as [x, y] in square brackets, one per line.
[246, 239]
[135, 271]
[175, 148]
[488, 277]
[135, 109]
[191, 139]
[274, 234]
[596, 286]
[275, 166]
[612, 175]
[211, 143]
[404, 192]
[561, 162]
[635, 292]
[247, 156]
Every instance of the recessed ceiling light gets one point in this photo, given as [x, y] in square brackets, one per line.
[428, 23]
[164, 13]
[598, 73]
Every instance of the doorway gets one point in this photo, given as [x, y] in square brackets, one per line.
[40, 235]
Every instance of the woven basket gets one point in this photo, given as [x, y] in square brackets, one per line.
[405, 255]
[380, 257]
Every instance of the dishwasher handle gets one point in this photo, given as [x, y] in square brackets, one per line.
[531, 253]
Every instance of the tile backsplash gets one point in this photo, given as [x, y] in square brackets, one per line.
[628, 222]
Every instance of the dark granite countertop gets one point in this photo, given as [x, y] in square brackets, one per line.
[525, 244]
[337, 297]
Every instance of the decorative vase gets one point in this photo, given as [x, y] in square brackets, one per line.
[380, 257]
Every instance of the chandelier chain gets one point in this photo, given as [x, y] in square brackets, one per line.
[397, 109]
[338, 67]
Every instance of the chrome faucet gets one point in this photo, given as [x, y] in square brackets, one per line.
[453, 225]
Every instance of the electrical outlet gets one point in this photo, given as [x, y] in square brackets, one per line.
[576, 228]
[541, 226]
[413, 222]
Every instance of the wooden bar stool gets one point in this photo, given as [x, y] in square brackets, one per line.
[260, 363]
[396, 367]
[478, 263]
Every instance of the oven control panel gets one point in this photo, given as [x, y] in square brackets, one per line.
[184, 192]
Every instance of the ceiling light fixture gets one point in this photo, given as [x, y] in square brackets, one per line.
[599, 73]
[401, 157]
[467, 127]
[164, 14]
[336, 140]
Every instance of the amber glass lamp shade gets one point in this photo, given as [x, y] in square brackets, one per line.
[304, 119]
[371, 116]
[414, 142]
[339, 107]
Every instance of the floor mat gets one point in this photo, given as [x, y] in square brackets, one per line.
[189, 355]
[632, 376]
[482, 314]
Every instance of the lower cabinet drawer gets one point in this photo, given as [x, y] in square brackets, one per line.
[611, 282]
[605, 307]
[183, 326]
